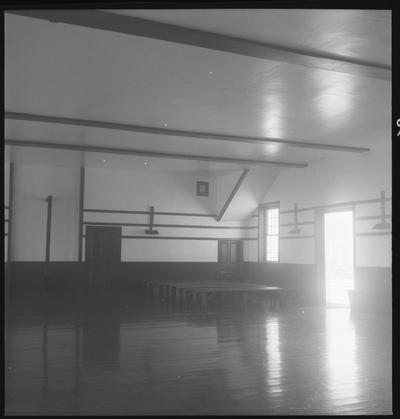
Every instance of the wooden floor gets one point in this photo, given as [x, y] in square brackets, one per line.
[110, 354]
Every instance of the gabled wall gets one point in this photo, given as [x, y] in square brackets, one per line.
[351, 178]
[138, 190]
[249, 195]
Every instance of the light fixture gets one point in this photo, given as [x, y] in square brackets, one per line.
[295, 229]
[150, 229]
[103, 160]
[165, 124]
[382, 225]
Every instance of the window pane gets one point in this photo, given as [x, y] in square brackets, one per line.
[272, 234]
[272, 248]
[273, 221]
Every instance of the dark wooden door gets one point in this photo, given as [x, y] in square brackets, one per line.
[230, 257]
[102, 254]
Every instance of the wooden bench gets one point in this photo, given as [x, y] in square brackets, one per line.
[191, 292]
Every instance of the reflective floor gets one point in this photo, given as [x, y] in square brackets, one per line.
[110, 355]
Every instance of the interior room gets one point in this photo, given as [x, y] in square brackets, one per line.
[197, 212]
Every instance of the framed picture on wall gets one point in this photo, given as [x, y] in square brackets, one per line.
[202, 188]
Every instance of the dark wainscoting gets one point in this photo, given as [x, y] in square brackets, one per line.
[68, 278]
[301, 279]
[182, 271]
[372, 290]
[129, 275]
[373, 279]
[372, 284]
[28, 278]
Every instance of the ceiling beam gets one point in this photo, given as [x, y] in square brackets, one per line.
[148, 153]
[130, 25]
[232, 194]
[177, 133]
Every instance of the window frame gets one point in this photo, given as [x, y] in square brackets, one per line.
[264, 208]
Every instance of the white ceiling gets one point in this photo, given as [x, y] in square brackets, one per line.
[75, 72]
[358, 34]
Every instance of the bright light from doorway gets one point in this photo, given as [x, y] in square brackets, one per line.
[339, 257]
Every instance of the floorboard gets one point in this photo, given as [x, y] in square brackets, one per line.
[110, 354]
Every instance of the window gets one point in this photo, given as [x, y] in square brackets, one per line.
[272, 234]
[202, 188]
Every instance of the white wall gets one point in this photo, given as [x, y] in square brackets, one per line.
[346, 178]
[114, 189]
[351, 177]
[162, 250]
[6, 181]
[374, 251]
[32, 184]
[250, 247]
[250, 250]
[138, 190]
[167, 192]
[249, 194]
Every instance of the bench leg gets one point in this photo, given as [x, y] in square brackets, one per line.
[244, 299]
[203, 300]
[273, 302]
[184, 298]
[173, 293]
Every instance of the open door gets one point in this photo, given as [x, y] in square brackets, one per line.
[339, 257]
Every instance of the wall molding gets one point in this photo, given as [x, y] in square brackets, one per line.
[183, 214]
[338, 204]
[296, 237]
[373, 217]
[194, 226]
[127, 236]
[374, 233]
[303, 223]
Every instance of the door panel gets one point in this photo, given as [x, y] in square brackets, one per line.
[103, 244]
[234, 252]
[102, 253]
[224, 247]
[230, 258]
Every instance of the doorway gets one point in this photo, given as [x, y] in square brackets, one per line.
[230, 257]
[339, 257]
